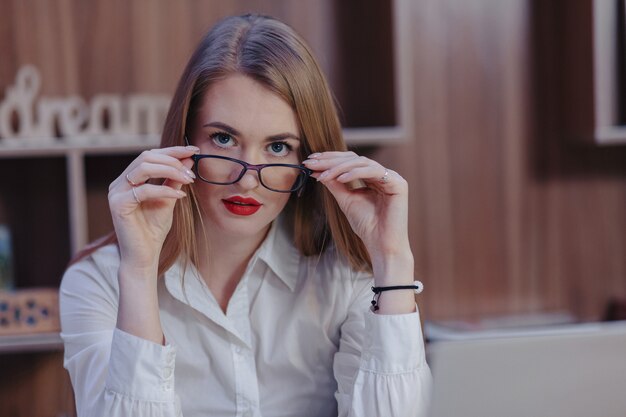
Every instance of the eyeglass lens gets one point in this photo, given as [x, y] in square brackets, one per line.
[223, 171]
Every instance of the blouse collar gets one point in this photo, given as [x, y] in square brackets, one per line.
[280, 254]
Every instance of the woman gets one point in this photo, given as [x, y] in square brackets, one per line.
[239, 276]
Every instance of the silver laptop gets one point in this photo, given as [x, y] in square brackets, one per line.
[569, 371]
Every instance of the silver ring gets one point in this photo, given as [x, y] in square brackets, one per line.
[135, 195]
[385, 177]
[131, 181]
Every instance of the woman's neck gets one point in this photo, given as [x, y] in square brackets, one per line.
[222, 260]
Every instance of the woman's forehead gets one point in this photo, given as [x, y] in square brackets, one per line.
[247, 105]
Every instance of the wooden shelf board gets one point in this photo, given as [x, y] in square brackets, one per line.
[611, 135]
[86, 145]
[32, 342]
[134, 144]
[374, 135]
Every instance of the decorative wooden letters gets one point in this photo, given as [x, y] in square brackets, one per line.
[24, 119]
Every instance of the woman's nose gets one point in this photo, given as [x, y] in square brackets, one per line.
[250, 180]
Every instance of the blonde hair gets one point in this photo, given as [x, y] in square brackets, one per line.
[273, 54]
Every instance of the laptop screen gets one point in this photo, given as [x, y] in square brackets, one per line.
[571, 371]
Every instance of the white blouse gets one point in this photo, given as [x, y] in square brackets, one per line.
[297, 339]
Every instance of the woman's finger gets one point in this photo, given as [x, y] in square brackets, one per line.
[371, 173]
[331, 170]
[177, 152]
[147, 170]
[166, 156]
[327, 163]
[187, 165]
[332, 154]
[318, 164]
[147, 192]
[172, 157]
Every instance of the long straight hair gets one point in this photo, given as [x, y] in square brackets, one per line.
[273, 54]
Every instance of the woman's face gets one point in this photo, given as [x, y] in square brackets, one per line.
[242, 119]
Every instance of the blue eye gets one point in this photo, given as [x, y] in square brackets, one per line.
[280, 148]
[277, 147]
[221, 139]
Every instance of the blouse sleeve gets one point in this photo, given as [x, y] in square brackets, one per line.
[113, 373]
[380, 367]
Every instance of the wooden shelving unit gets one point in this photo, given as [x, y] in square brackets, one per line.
[609, 129]
[592, 90]
[77, 187]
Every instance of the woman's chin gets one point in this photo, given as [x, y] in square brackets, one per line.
[230, 225]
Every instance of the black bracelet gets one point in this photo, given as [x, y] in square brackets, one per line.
[417, 286]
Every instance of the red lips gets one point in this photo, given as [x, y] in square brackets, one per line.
[242, 206]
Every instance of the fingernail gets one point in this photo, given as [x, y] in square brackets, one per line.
[181, 193]
[323, 175]
[315, 155]
[311, 161]
[190, 173]
[192, 148]
[188, 178]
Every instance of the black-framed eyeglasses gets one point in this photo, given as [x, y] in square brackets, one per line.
[222, 170]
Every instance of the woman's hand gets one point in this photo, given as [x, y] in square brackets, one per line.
[378, 214]
[142, 212]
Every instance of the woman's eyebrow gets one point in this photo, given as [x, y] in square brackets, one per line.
[235, 132]
[223, 126]
[282, 136]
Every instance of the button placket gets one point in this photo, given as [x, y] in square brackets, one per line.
[168, 370]
[246, 388]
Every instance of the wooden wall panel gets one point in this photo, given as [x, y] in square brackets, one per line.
[123, 46]
[585, 185]
[470, 119]
[509, 214]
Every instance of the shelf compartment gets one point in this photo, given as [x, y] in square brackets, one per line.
[33, 204]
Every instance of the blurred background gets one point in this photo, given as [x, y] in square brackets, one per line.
[504, 116]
